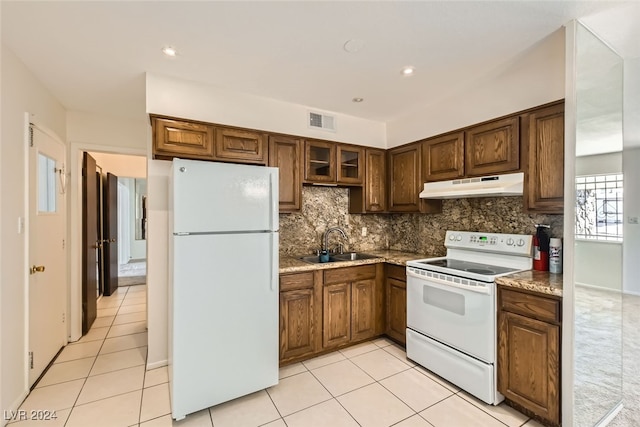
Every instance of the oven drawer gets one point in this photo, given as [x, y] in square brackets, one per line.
[470, 374]
[537, 307]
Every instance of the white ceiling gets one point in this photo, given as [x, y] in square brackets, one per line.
[93, 55]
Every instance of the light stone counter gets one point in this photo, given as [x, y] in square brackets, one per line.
[536, 281]
[291, 264]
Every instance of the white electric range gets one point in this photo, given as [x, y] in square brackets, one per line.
[451, 307]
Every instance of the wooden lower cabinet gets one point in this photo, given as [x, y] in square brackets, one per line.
[336, 315]
[529, 333]
[396, 307]
[300, 315]
[353, 302]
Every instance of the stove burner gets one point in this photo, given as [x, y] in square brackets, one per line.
[480, 271]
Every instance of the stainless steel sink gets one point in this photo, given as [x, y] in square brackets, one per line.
[352, 256]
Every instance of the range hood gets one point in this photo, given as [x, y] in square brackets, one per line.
[484, 186]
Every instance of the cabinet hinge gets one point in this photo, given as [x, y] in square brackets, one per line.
[30, 134]
[31, 360]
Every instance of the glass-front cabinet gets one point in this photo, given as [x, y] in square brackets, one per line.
[320, 163]
[329, 162]
[350, 161]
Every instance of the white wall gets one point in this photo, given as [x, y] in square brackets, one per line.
[93, 133]
[531, 79]
[590, 253]
[180, 98]
[631, 168]
[599, 164]
[21, 93]
[122, 165]
[157, 261]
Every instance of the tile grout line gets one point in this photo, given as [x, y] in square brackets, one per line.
[92, 365]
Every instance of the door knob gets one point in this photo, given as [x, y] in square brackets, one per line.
[36, 269]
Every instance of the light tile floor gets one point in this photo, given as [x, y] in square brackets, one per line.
[101, 381]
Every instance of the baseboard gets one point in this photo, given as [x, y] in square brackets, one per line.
[610, 416]
[14, 408]
[158, 364]
[600, 288]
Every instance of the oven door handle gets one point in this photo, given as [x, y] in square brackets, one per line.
[444, 283]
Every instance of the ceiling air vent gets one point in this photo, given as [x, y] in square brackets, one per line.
[322, 121]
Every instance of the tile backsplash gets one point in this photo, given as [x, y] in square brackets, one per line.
[325, 207]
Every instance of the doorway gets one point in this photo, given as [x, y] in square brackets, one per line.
[114, 224]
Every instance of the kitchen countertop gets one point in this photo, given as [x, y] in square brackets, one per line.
[537, 281]
[291, 264]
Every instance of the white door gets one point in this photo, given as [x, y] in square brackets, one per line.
[47, 253]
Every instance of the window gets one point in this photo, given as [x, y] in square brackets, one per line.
[46, 184]
[599, 207]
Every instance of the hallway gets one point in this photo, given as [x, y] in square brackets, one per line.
[101, 379]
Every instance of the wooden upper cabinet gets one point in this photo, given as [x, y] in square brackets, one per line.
[320, 161]
[176, 138]
[285, 153]
[350, 164]
[372, 196]
[493, 147]
[241, 146]
[443, 157]
[544, 141]
[404, 179]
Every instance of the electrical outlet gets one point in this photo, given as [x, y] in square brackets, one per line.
[364, 231]
[633, 220]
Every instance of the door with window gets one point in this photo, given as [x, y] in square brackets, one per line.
[47, 252]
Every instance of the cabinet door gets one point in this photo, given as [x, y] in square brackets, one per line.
[404, 179]
[375, 189]
[493, 147]
[296, 323]
[397, 309]
[372, 196]
[336, 315]
[240, 146]
[363, 309]
[284, 153]
[443, 157]
[529, 364]
[544, 190]
[320, 161]
[350, 164]
[174, 138]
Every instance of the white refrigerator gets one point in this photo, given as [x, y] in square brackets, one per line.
[223, 290]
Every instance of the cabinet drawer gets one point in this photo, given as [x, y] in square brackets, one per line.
[349, 274]
[537, 307]
[296, 281]
[397, 272]
[182, 139]
[241, 146]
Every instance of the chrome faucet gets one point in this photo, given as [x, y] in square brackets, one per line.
[326, 236]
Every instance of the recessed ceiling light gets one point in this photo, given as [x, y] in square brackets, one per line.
[357, 99]
[408, 71]
[353, 45]
[169, 51]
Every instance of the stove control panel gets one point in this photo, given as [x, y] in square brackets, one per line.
[515, 244]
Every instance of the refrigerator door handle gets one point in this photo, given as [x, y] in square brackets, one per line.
[273, 191]
[275, 274]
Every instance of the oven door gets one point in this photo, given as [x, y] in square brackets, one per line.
[459, 315]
